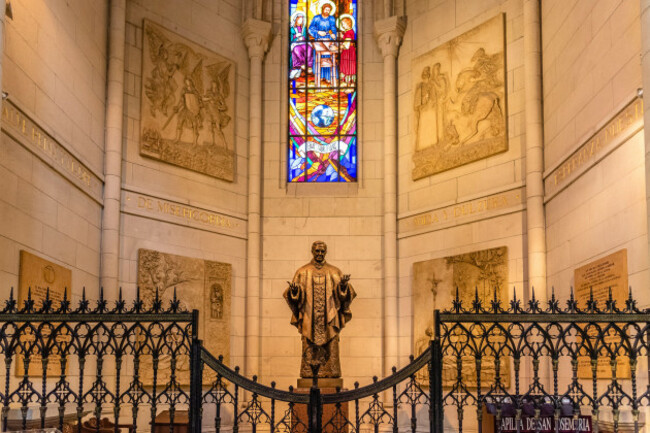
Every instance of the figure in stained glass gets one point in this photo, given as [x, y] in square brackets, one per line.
[348, 49]
[301, 52]
[323, 25]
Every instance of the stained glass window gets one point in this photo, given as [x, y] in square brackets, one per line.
[323, 91]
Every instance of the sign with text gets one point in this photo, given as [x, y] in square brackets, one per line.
[598, 277]
[39, 275]
[545, 424]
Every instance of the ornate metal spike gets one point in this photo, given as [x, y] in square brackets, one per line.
[533, 294]
[119, 294]
[83, 293]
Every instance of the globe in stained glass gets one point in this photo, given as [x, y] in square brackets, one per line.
[322, 116]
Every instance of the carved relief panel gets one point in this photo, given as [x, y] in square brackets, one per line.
[200, 284]
[434, 287]
[459, 101]
[188, 104]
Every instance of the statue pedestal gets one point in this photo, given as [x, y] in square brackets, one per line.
[334, 418]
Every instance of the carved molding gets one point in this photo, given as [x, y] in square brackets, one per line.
[389, 34]
[257, 37]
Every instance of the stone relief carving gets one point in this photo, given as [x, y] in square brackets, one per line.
[187, 104]
[200, 284]
[459, 103]
[434, 286]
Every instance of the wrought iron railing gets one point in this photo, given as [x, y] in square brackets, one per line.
[526, 360]
[65, 363]
[119, 365]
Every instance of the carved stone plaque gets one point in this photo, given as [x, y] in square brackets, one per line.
[200, 284]
[434, 286]
[598, 276]
[39, 274]
[188, 104]
[459, 100]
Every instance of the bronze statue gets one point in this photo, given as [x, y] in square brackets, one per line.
[319, 297]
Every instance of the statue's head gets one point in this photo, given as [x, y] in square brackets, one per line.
[318, 250]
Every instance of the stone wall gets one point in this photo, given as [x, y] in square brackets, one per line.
[172, 209]
[347, 217]
[54, 69]
[591, 71]
[477, 205]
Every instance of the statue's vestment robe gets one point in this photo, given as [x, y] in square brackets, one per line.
[320, 310]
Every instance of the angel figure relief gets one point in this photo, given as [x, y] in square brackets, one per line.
[186, 103]
[167, 58]
[215, 101]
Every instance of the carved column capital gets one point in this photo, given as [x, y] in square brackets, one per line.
[257, 36]
[389, 33]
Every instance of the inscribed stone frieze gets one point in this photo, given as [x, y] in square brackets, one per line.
[38, 275]
[182, 213]
[598, 277]
[200, 284]
[459, 100]
[434, 287]
[464, 212]
[188, 104]
[616, 131]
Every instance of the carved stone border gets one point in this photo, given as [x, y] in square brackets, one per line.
[35, 139]
[611, 135]
[176, 212]
[462, 213]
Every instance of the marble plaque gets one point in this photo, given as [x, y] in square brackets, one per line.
[200, 284]
[188, 104]
[434, 287]
[598, 276]
[39, 274]
[459, 100]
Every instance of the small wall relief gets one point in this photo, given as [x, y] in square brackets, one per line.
[459, 101]
[187, 109]
[434, 286]
[200, 284]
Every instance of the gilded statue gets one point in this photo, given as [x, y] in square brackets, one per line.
[319, 297]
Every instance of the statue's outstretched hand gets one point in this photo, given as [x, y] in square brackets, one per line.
[294, 289]
[344, 280]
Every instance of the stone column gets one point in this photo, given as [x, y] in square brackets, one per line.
[535, 219]
[645, 71]
[3, 8]
[389, 33]
[257, 35]
[110, 243]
